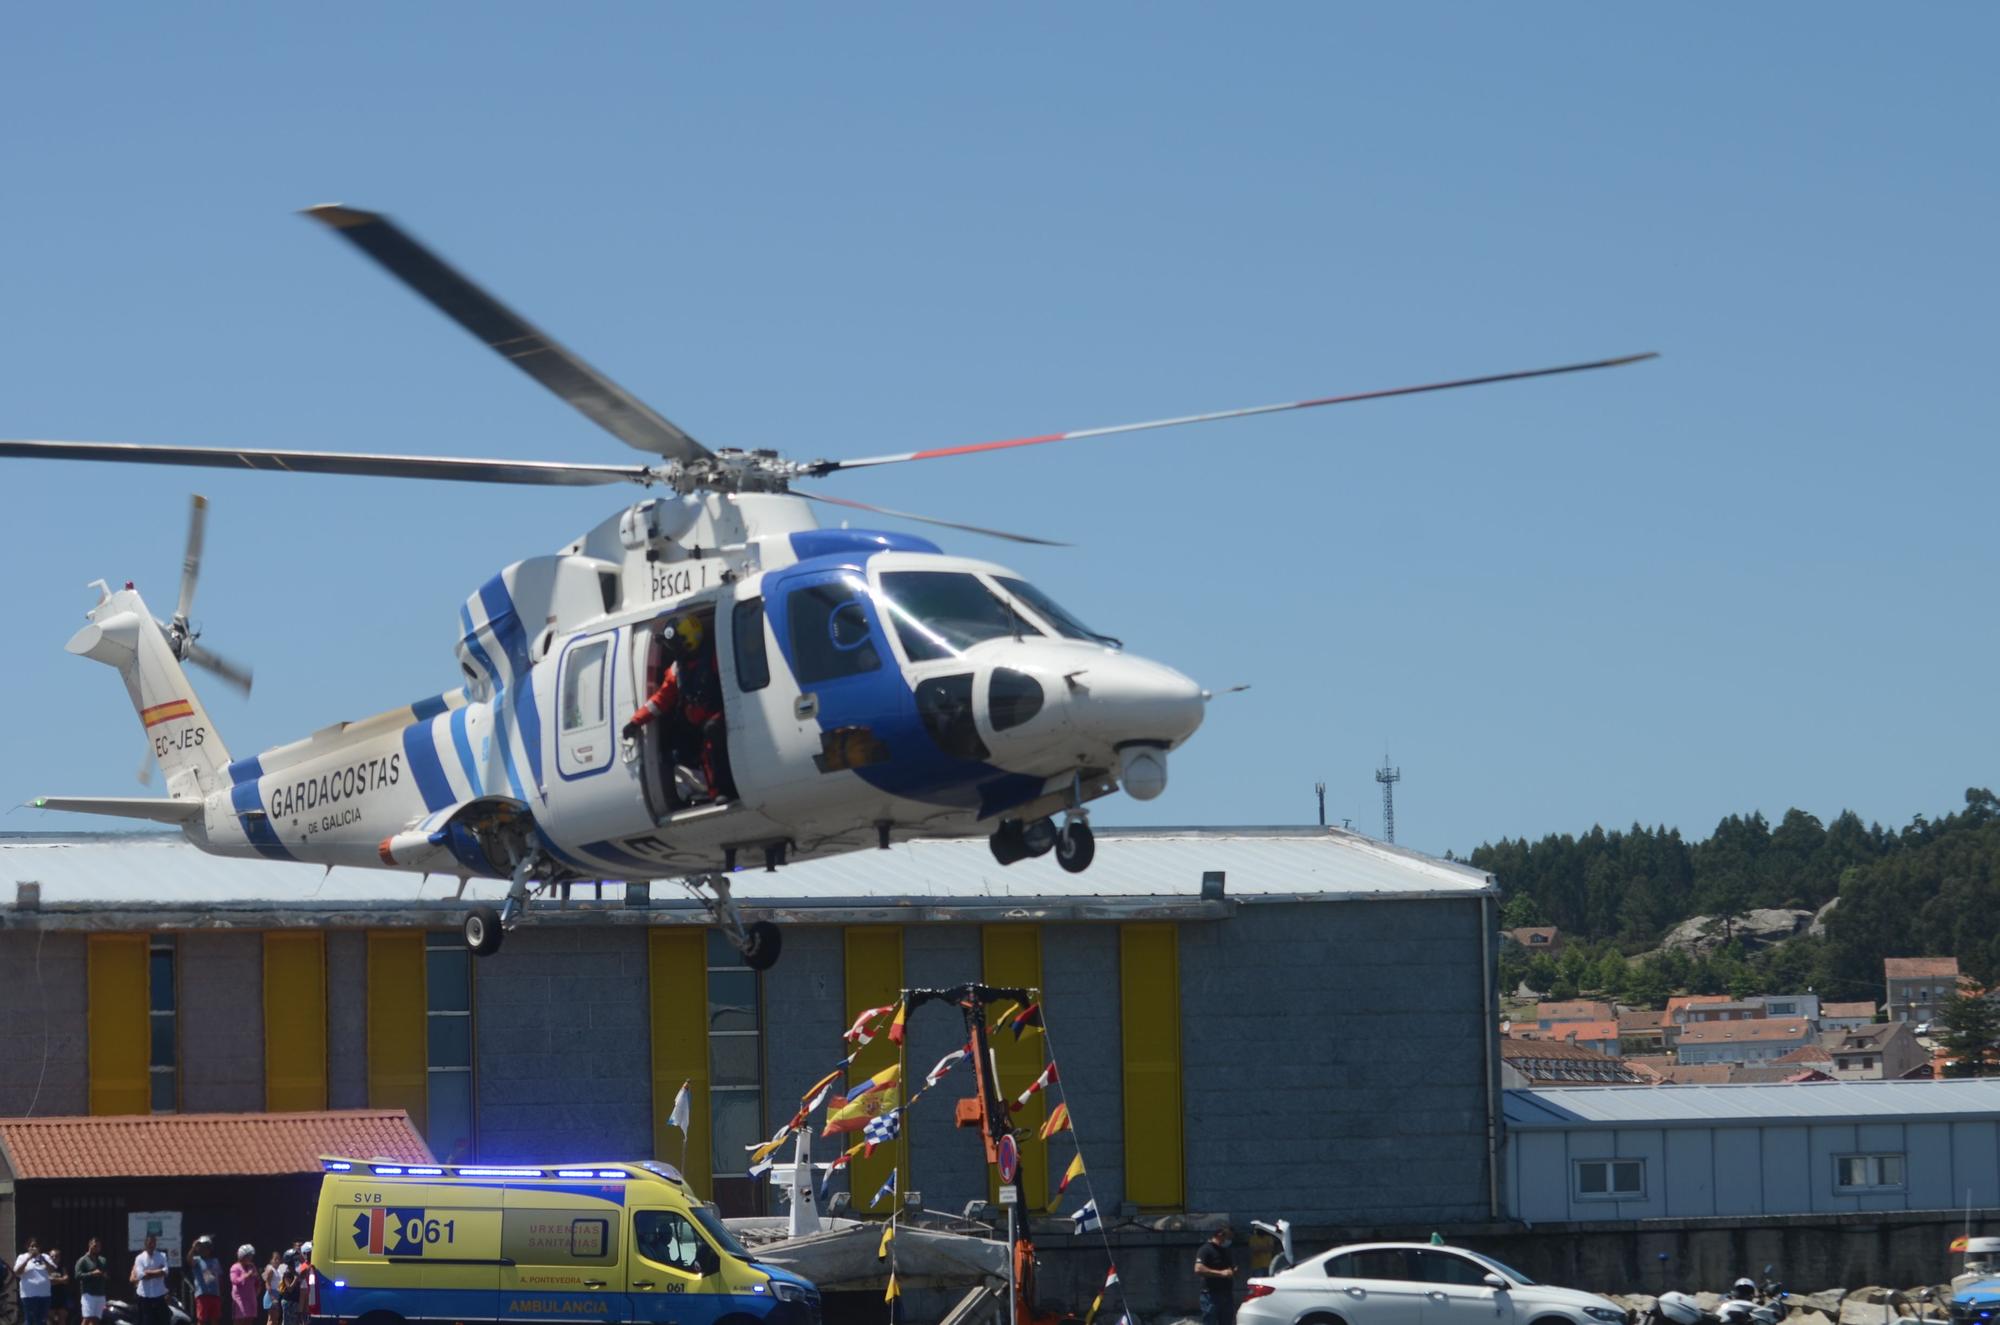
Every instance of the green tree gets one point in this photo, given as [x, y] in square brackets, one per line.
[1969, 1030]
[1521, 911]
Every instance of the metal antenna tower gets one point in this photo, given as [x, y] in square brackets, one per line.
[1320, 789]
[1388, 777]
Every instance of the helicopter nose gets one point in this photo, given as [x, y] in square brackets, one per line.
[1122, 700]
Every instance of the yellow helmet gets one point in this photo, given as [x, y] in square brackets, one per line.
[687, 629]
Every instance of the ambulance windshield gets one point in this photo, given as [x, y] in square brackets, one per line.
[939, 614]
[718, 1232]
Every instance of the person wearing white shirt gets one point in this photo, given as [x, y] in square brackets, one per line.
[149, 1276]
[31, 1268]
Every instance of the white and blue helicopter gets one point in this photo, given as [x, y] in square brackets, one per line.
[872, 687]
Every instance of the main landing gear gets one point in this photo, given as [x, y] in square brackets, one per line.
[1073, 843]
[485, 927]
[759, 941]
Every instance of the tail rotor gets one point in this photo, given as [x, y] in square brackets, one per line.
[181, 636]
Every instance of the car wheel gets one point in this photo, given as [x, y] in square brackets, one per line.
[1321, 1318]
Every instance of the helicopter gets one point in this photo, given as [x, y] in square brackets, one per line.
[872, 687]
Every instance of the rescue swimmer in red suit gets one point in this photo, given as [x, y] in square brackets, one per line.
[689, 705]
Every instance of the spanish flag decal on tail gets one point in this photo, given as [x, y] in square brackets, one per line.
[167, 712]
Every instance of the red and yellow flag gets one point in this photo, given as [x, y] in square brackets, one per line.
[1058, 1121]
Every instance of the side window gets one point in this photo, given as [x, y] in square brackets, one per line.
[1441, 1267]
[1376, 1263]
[583, 686]
[830, 633]
[746, 628]
[666, 1238]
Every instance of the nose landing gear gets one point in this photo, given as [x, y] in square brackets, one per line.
[1076, 846]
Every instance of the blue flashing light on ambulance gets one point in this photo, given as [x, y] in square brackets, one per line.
[616, 1242]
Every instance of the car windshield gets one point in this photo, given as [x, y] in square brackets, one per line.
[1508, 1270]
[1049, 610]
[939, 614]
[718, 1233]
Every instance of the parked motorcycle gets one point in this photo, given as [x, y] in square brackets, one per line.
[117, 1312]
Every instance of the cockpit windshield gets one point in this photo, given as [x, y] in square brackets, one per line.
[939, 614]
[1052, 612]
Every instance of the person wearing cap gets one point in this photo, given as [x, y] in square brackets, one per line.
[205, 1274]
[245, 1286]
[689, 700]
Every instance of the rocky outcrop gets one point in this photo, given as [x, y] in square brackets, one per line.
[1700, 935]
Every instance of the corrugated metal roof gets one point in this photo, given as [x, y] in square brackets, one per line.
[205, 1145]
[1267, 864]
[1806, 1102]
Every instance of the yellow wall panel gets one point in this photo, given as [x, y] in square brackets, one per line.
[874, 977]
[1011, 956]
[398, 1048]
[294, 1021]
[121, 1035]
[677, 967]
[1149, 985]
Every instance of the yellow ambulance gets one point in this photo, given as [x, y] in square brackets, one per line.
[398, 1243]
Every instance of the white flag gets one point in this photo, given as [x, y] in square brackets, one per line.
[683, 1103]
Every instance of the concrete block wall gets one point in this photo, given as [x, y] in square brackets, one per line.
[562, 1057]
[1080, 1001]
[804, 1013]
[947, 1164]
[44, 1054]
[1333, 1060]
[221, 1045]
[346, 1019]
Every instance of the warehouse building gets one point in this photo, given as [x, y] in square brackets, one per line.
[1587, 1154]
[1247, 1022]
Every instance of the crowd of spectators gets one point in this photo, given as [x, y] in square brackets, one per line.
[279, 1292]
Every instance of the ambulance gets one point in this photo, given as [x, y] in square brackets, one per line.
[395, 1243]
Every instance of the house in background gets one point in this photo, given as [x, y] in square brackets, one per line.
[1540, 1062]
[1917, 985]
[1845, 1016]
[1700, 1014]
[1678, 1005]
[1757, 1041]
[1536, 940]
[1548, 1015]
[1643, 1032]
[1885, 1051]
[1790, 1005]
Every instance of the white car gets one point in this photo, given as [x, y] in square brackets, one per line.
[1413, 1283]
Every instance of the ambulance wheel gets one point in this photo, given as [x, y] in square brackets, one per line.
[482, 931]
[763, 941]
[1076, 846]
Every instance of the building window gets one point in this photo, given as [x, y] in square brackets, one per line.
[161, 1009]
[448, 1122]
[1854, 1173]
[1610, 1179]
[735, 1058]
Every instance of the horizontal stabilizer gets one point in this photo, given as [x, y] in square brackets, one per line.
[124, 807]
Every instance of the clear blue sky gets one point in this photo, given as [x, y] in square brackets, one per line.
[1757, 573]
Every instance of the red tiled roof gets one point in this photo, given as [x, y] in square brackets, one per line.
[1805, 1053]
[1576, 1009]
[1698, 1074]
[1743, 1032]
[184, 1145]
[1642, 1020]
[1919, 968]
[1679, 1001]
[1846, 1011]
[1588, 1031]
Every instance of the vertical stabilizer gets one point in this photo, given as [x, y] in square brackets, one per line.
[123, 634]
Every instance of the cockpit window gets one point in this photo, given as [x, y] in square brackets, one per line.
[938, 614]
[1052, 612]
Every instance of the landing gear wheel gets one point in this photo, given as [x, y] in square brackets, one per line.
[762, 942]
[1076, 846]
[483, 931]
[1039, 837]
[1009, 843]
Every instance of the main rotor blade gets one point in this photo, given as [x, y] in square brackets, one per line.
[592, 394]
[925, 519]
[191, 563]
[236, 674]
[545, 473]
[939, 453]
